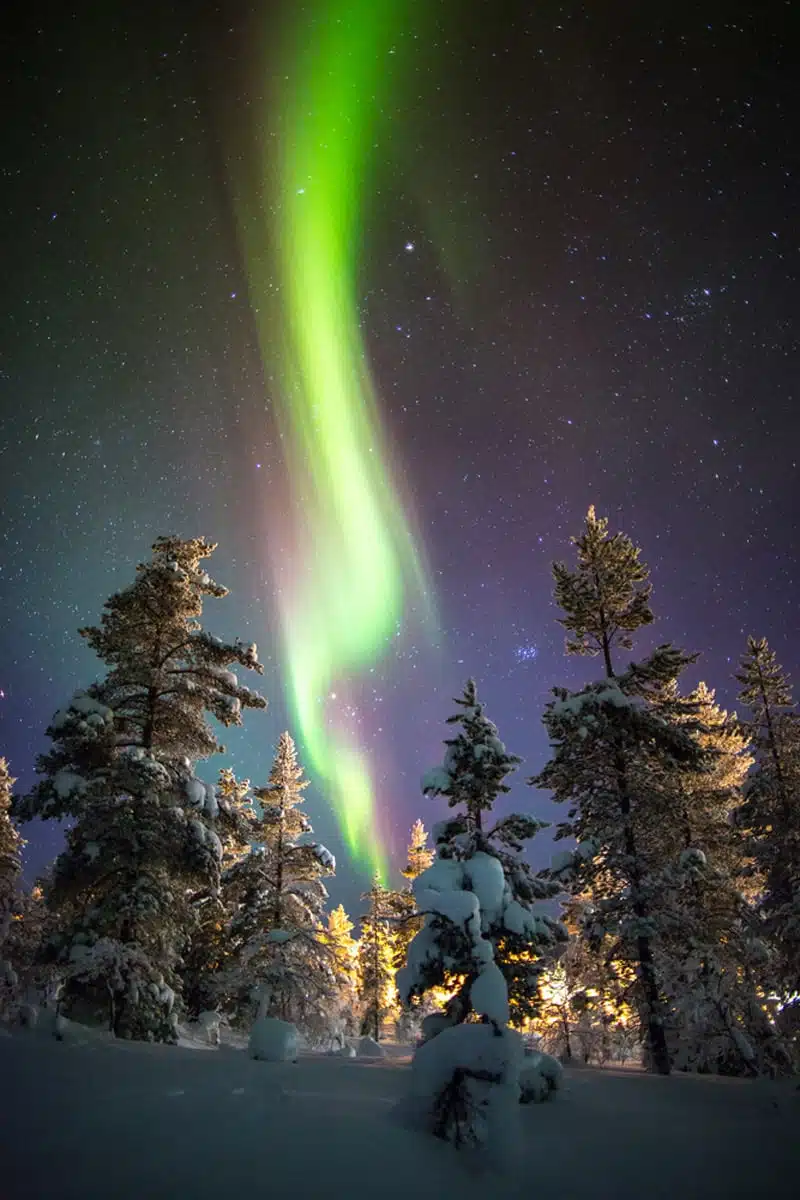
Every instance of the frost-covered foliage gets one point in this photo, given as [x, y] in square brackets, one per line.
[208, 953]
[10, 854]
[278, 962]
[341, 1014]
[612, 744]
[770, 815]
[144, 840]
[712, 952]
[420, 855]
[377, 960]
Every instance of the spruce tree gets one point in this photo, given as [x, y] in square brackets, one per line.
[10, 868]
[610, 749]
[376, 961]
[121, 767]
[488, 872]
[277, 896]
[208, 954]
[770, 814]
[712, 953]
[10, 853]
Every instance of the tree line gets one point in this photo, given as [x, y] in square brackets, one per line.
[678, 935]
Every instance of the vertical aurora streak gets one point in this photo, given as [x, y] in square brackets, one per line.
[355, 571]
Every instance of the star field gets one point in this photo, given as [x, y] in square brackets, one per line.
[578, 285]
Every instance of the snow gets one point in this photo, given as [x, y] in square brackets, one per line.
[692, 858]
[484, 874]
[541, 1075]
[324, 856]
[607, 692]
[443, 875]
[489, 994]
[520, 920]
[122, 1119]
[279, 936]
[437, 779]
[273, 1041]
[66, 782]
[368, 1048]
[561, 861]
[458, 907]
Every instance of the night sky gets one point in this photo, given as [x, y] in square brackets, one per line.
[579, 266]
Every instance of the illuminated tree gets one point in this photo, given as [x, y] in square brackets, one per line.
[376, 962]
[275, 895]
[610, 750]
[712, 954]
[344, 948]
[771, 811]
[121, 767]
[420, 854]
[10, 853]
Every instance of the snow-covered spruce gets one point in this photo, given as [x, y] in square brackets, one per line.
[480, 925]
[770, 817]
[144, 841]
[10, 869]
[278, 963]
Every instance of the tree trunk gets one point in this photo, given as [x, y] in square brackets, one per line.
[656, 1034]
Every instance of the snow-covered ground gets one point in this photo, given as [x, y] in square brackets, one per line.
[136, 1122]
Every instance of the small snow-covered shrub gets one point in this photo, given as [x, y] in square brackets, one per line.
[465, 1084]
[272, 1040]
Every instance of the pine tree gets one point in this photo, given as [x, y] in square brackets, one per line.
[610, 749]
[143, 842]
[278, 895]
[376, 961]
[771, 812]
[10, 853]
[486, 868]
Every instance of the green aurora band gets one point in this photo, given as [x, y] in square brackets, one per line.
[356, 573]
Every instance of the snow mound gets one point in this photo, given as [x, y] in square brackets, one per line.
[273, 1041]
[487, 880]
[540, 1076]
[369, 1048]
[489, 994]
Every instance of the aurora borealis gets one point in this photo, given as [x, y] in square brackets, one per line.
[597, 309]
[355, 569]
